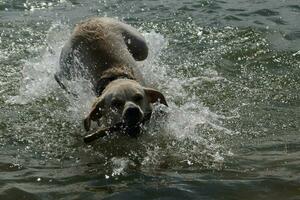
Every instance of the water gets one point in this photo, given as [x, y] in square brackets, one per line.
[230, 71]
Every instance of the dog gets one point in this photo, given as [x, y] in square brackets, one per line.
[104, 51]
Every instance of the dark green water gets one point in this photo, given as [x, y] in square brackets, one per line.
[231, 74]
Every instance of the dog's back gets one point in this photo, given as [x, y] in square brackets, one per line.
[97, 45]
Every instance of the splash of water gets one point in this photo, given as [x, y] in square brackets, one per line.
[186, 137]
[37, 74]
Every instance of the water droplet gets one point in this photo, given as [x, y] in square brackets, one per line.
[189, 162]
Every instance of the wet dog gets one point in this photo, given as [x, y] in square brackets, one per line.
[104, 51]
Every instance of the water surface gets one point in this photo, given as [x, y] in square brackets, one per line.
[230, 71]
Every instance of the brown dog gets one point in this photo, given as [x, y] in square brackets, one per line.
[104, 51]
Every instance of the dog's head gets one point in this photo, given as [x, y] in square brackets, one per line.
[124, 100]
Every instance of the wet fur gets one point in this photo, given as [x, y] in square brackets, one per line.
[104, 51]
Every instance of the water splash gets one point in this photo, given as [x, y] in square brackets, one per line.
[191, 128]
[188, 136]
[37, 74]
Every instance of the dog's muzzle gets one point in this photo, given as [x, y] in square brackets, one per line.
[132, 114]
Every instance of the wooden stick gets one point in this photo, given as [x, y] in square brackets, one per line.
[119, 127]
[102, 132]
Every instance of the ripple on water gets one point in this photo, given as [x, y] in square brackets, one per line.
[13, 193]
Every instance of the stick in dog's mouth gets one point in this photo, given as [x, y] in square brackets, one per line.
[120, 127]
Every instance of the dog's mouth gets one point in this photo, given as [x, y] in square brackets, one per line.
[134, 121]
[132, 116]
[132, 124]
[121, 127]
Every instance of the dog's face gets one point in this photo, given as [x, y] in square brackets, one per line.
[124, 100]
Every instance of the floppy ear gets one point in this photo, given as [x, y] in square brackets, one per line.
[95, 114]
[154, 96]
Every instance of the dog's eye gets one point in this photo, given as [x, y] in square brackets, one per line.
[117, 103]
[138, 97]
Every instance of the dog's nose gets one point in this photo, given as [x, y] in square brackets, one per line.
[132, 111]
[132, 114]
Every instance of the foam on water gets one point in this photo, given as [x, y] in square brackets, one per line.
[186, 137]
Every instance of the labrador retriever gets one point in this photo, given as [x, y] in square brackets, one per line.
[104, 51]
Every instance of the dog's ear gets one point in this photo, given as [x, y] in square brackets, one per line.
[155, 96]
[95, 114]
